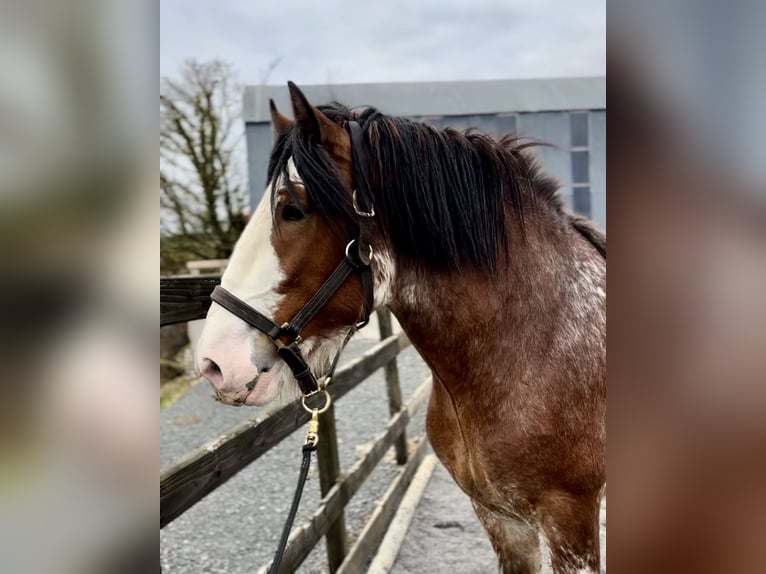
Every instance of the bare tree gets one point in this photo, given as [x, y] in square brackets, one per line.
[202, 196]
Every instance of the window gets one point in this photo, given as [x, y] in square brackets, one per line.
[505, 124]
[435, 121]
[578, 128]
[457, 122]
[581, 200]
[580, 155]
[484, 123]
[580, 166]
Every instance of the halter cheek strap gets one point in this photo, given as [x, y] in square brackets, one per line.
[287, 336]
[357, 259]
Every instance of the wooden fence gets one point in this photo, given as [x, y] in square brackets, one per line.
[199, 472]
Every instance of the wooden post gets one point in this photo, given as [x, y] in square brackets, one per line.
[329, 473]
[393, 388]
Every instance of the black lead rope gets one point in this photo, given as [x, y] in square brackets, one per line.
[304, 472]
[310, 446]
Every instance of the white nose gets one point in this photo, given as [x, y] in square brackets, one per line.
[231, 356]
[209, 369]
[231, 364]
[233, 387]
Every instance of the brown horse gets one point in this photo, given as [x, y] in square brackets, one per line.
[501, 291]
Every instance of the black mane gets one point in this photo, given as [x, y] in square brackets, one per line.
[441, 194]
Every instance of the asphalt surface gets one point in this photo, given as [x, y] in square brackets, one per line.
[236, 528]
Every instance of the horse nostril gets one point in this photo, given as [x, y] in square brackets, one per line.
[212, 372]
[265, 369]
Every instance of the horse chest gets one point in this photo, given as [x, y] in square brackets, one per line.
[464, 452]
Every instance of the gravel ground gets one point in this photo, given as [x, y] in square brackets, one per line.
[236, 528]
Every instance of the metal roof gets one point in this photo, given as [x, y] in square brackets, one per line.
[441, 98]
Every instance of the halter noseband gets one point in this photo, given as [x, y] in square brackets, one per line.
[357, 259]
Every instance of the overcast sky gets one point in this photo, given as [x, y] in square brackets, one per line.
[347, 41]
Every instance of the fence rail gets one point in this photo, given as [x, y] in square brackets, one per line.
[185, 299]
[206, 468]
[195, 475]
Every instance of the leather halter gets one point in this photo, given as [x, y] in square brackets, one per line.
[357, 259]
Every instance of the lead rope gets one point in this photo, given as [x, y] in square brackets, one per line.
[305, 465]
[309, 446]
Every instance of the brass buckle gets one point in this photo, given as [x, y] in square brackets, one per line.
[312, 436]
[327, 403]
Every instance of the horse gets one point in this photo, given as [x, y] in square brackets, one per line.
[500, 289]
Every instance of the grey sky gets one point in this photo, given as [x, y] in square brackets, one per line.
[347, 41]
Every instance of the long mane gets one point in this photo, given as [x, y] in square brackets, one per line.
[443, 196]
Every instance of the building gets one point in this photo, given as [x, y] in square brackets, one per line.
[568, 113]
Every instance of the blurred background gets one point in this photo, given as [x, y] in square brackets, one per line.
[78, 220]
[687, 319]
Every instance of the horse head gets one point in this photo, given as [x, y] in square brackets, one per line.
[300, 232]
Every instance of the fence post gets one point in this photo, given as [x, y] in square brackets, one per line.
[329, 472]
[393, 388]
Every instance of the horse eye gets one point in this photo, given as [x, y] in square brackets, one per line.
[293, 213]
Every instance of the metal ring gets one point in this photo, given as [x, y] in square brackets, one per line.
[358, 211]
[327, 398]
[350, 243]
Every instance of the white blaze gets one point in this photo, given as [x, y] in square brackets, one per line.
[252, 275]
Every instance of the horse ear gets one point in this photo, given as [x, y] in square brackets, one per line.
[279, 122]
[312, 121]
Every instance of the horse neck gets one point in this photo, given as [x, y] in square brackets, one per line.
[450, 317]
[472, 327]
